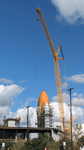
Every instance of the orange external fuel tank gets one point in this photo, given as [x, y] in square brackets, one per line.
[43, 99]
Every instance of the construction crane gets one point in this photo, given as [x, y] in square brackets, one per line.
[69, 126]
[57, 70]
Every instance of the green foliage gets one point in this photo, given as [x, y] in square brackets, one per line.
[17, 145]
[68, 144]
[36, 143]
[0, 145]
[39, 143]
[8, 144]
[43, 141]
[29, 145]
[80, 142]
[53, 146]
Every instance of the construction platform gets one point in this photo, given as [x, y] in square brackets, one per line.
[12, 132]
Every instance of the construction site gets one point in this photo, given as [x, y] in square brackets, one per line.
[41, 104]
[45, 111]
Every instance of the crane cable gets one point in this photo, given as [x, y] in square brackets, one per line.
[63, 68]
[56, 39]
[64, 89]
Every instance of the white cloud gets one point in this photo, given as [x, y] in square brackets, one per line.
[65, 96]
[64, 85]
[56, 111]
[8, 92]
[55, 99]
[32, 118]
[77, 113]
[29, 99]
[5, 111]
[23, 114]
[78, 78]
[82, 121]
[77, 100]
[71, 11]
[75, 109]
[21, 81]
[6, 81]
[75, 94]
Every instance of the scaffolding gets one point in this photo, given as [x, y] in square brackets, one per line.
[45, 116]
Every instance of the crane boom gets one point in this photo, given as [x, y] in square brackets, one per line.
[45, 30]
[56, 66]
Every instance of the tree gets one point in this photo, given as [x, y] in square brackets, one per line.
[37, 143]
[40, 142]
[68, 144]
[80, 142]
[77, 135]
[77, 132]
[53, 146]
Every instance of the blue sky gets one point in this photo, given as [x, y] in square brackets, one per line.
[26, 61]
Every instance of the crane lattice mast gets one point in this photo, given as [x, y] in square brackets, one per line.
[56, 66]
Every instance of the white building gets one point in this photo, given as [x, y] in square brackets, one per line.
[57, 125]
[11, 122]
